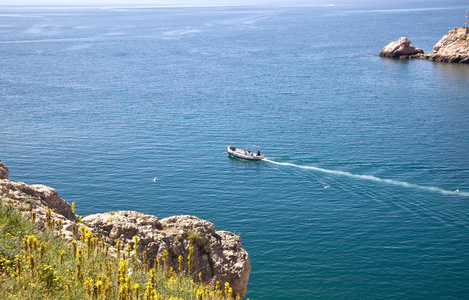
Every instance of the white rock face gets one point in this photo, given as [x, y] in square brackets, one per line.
[218, 255]
[39, 197]
[400, 47]
[453, 47]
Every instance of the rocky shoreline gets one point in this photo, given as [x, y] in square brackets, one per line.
[218, 255]
[453, 47]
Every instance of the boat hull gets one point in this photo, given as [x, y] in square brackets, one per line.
[244, 154]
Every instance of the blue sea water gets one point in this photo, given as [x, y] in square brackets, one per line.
[96, 102]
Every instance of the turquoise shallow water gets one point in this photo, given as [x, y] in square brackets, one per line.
[98, 102]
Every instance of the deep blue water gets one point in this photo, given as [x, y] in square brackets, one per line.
[96, 102]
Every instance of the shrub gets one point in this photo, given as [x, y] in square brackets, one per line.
[193, 236]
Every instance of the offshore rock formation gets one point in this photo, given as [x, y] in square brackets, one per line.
[218, 255]
[453, 47]
[399, 48]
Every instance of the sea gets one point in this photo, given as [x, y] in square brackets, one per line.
[364, 192]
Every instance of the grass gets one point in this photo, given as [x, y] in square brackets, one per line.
[193, 236]
[39, 264]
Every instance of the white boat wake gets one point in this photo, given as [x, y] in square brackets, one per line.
[376, 179]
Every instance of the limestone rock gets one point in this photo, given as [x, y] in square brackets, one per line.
[3, 171]
[38, 199]
[38, 195]
[218, 255]
[453, 47]
[398, 48]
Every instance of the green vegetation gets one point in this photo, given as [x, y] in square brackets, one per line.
[193, 236]
[38, 264]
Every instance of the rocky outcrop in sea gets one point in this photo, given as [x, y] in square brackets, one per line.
[217, 255]
[399, 48]
[453, 47]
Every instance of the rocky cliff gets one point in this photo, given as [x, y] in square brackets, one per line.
[3, 171]
[218, 255]
[453, 47]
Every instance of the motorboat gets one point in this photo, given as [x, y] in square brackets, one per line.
[245, 154]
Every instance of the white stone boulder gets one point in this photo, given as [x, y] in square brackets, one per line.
[398, 48]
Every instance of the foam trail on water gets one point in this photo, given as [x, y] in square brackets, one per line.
[373, 178]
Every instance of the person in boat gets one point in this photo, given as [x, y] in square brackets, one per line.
[258, 152]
